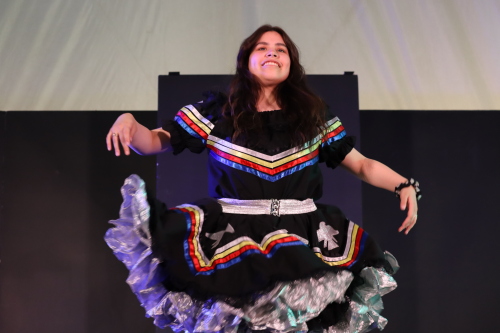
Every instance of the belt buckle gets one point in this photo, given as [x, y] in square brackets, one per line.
[275, 207]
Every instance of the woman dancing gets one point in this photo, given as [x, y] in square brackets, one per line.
[259, 254]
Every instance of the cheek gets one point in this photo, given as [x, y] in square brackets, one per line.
[289, 63]
[252, 63]
[288, 68]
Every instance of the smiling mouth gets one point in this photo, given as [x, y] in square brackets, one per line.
[271, 63]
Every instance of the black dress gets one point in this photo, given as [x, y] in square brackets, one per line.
[249, 258]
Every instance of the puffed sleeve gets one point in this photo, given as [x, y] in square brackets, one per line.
[193, 123]
[335, 143]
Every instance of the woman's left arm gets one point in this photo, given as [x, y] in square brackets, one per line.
[380, 175]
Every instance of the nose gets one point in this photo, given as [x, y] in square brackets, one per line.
[272, 53]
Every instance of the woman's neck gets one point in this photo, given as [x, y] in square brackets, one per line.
[267, 100]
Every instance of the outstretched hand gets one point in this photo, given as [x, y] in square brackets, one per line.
[408, 202]
[121, 133]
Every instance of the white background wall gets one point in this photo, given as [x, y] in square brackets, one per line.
[107, 54]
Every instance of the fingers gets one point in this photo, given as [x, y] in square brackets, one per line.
[108, 141]
[115, 139]
[124, 143]
[409, 200]
[121, 133]
[408, 224]
[116, 145]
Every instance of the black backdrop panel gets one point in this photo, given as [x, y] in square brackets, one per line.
[448, 281]
[183, 178]
[59, 187]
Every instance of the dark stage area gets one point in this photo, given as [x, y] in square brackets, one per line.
[59, 186]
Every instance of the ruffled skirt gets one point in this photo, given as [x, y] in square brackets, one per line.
[197, 269]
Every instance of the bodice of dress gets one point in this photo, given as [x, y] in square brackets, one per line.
[265, 168]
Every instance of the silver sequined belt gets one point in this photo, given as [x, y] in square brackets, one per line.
[267, 207]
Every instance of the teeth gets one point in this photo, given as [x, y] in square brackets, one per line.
[270, 63]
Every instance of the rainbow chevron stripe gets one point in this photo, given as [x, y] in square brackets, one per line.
[230, 253]
[268, 167]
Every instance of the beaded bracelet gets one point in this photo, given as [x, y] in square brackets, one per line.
[413, 183]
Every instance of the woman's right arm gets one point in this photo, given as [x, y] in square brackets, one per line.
[128, 133]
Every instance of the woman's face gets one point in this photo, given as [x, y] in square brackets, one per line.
[269, 61]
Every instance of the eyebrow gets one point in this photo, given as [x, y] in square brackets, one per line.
[265, 43]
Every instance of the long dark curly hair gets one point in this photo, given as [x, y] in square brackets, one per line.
[304, 110]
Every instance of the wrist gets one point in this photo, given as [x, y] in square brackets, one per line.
[409, 183]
